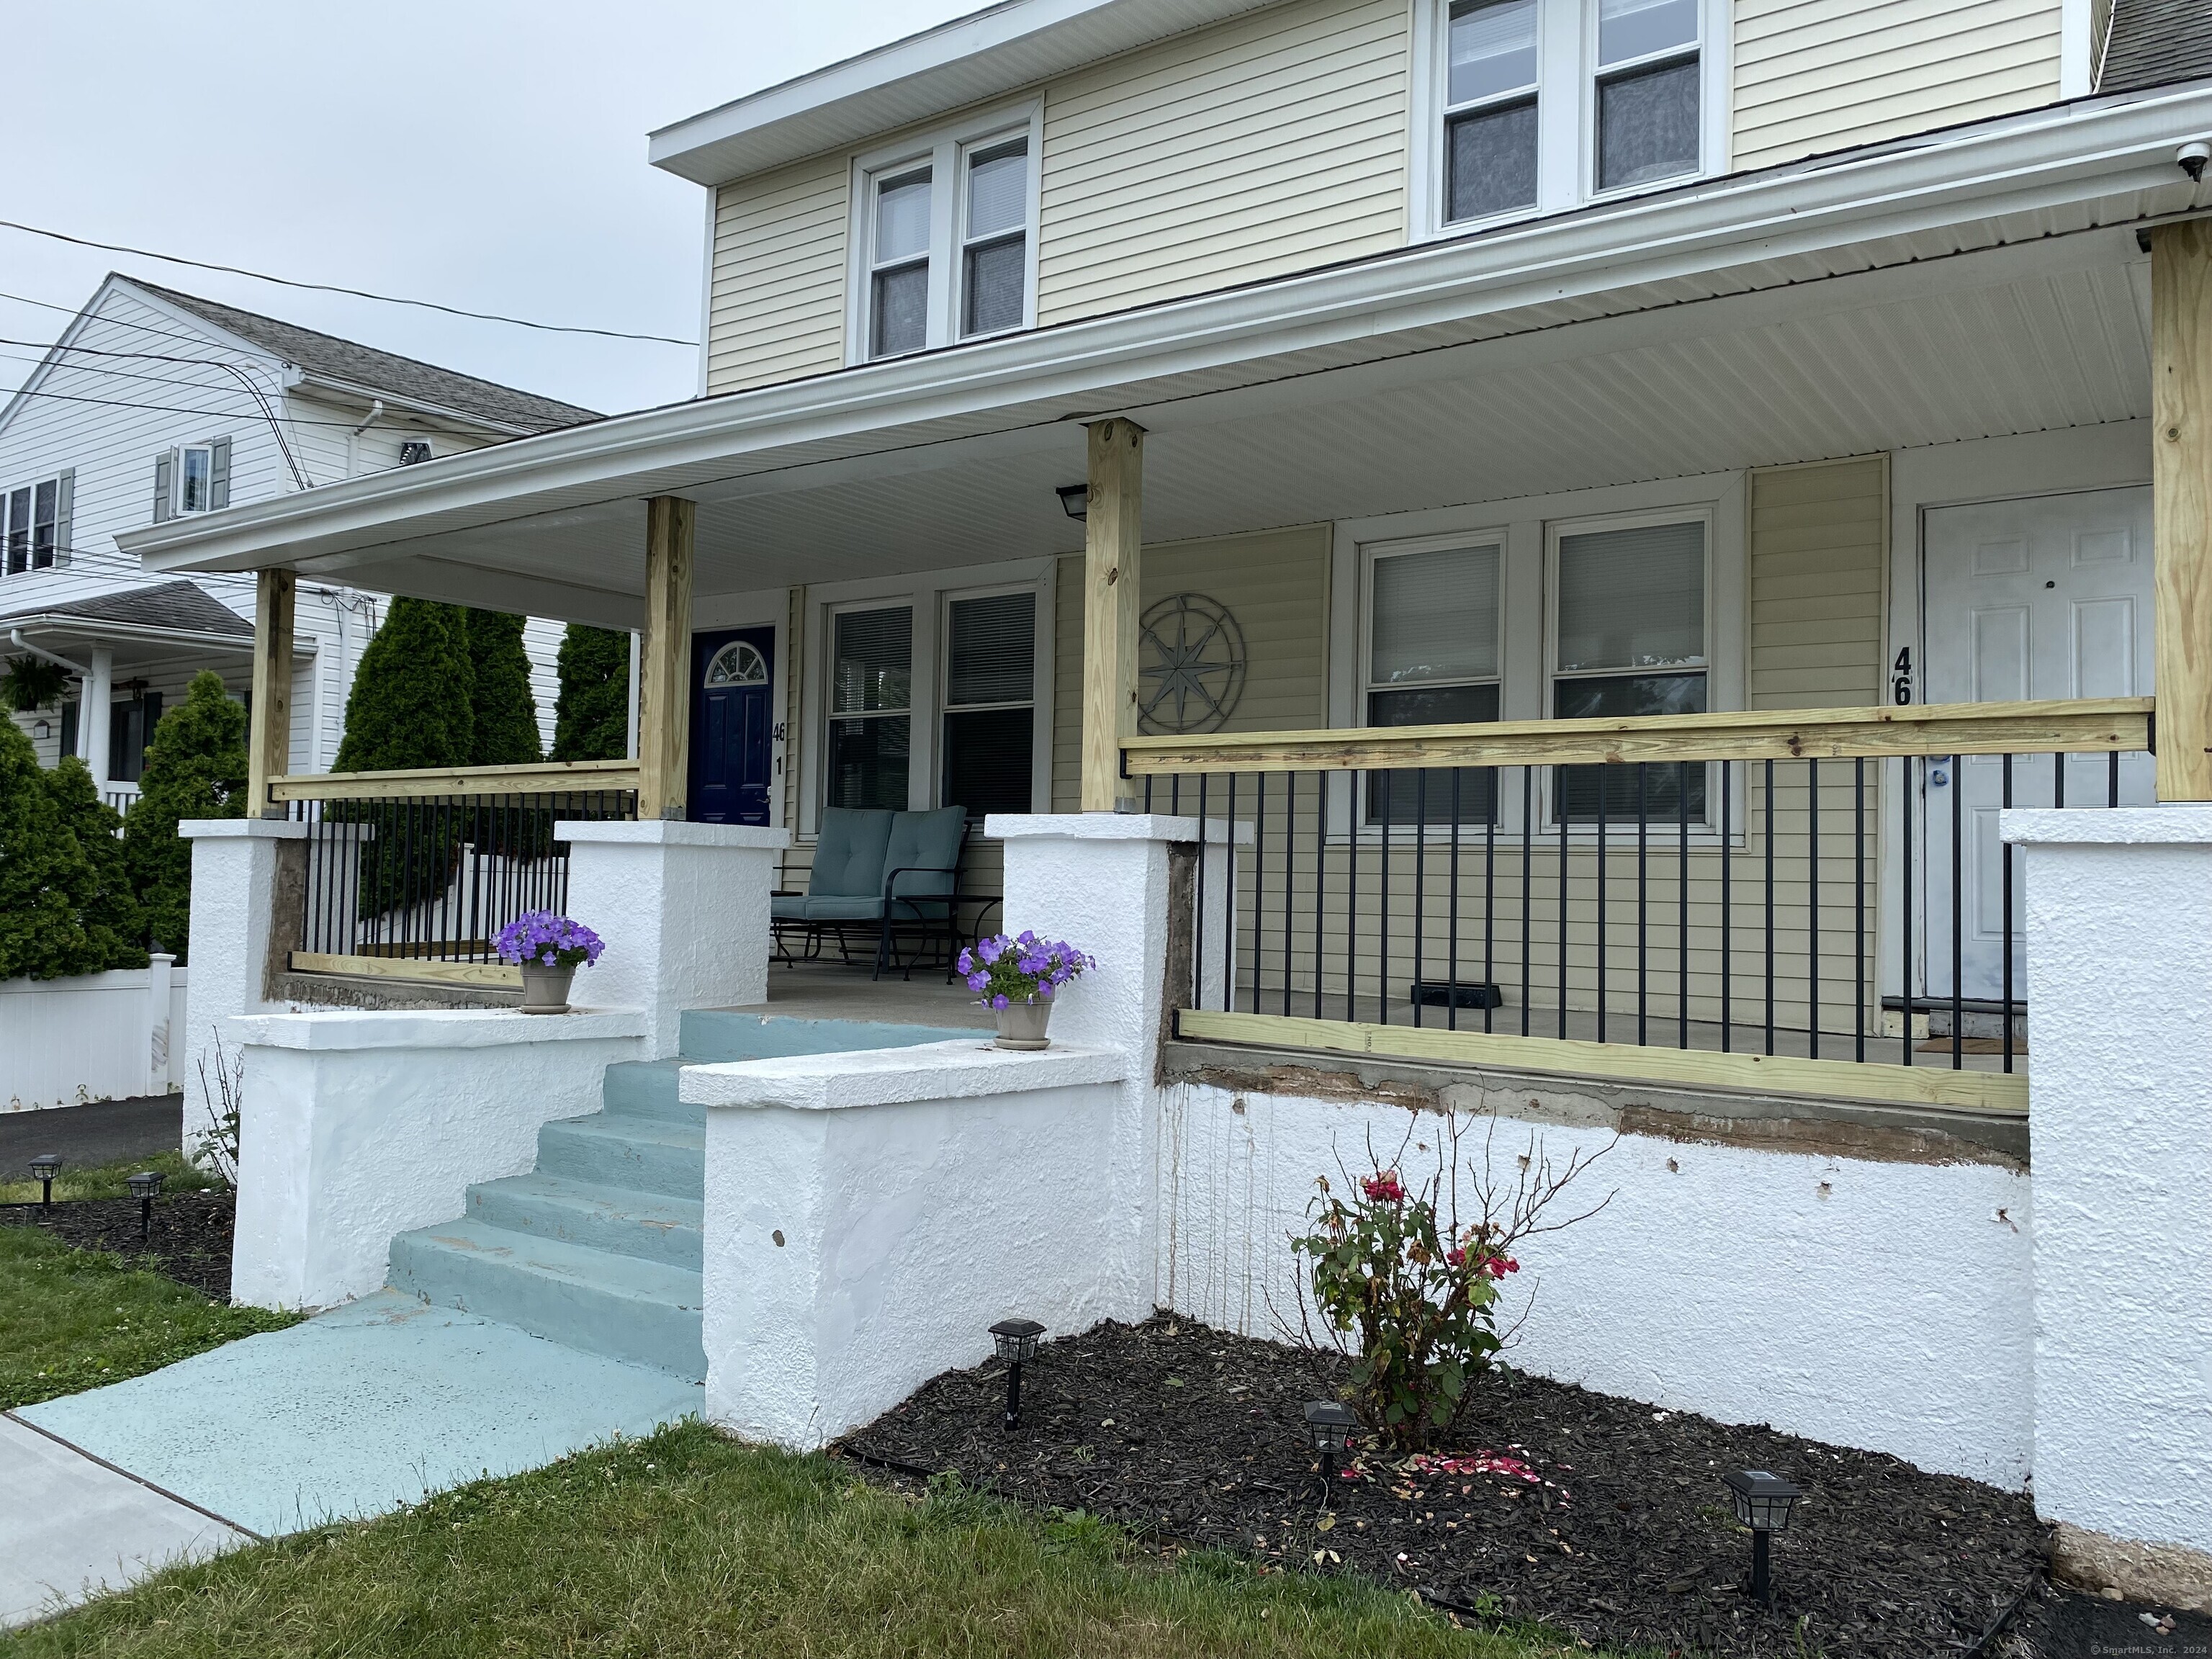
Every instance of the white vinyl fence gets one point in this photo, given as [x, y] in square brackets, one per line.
[94, 1036]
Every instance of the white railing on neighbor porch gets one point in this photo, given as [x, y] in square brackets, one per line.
[93, 1036]
[1702, 899]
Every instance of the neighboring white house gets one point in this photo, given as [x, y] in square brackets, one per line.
[154, 405]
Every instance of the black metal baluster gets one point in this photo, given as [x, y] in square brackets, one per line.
[1321, 875]
[1562, 902]
[1728, 929]
[1904, 956]
[1229, 907]
[1858, 909]
[1352, 899]
[1958, 913]
[1420, 886]
[1290, 874]
[2058, 781]
[1813, 900]
[1175, 795]
[1604, 788]
[1773, 834]
[1528, 857]
[1489, 893]
[2112, 778]
[1682, 904]
[1382, 908]
[1451, 964]
[1148, 794]
[1198, 925]
[1258, 883]
[2005, 799]
[1642, 898]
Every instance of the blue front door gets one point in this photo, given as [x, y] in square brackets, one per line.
[733, 707]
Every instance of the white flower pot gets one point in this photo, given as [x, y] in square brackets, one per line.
[1021, 1025]
[546, 990]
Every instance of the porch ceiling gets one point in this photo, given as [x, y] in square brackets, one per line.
[1564, 371]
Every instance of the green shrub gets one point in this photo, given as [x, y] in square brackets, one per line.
[106, 905]
[591, 722]
[505, 714]
[44, 874]
[195, 768]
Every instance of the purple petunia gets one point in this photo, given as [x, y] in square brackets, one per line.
[1022, 968]
[545, 936]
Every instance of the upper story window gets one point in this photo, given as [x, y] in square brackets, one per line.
[35, 520]
[191, 478]
[1538, 105]
[945, 237]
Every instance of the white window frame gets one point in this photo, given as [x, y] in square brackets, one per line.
[1566, 114]
[58, 556]
[914, 714]
[1555, 530]
[945, 151]
[1039, 714]
[184, 450]
[929, 593]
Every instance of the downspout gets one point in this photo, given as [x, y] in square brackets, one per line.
[353, 439]
[16, 638]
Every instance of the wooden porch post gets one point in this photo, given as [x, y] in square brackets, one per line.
[663, 679]
[1112, 553]
[270, 753]
[2181, 504]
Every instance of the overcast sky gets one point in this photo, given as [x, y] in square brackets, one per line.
[488, 155]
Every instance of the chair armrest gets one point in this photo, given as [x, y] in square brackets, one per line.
[891, 879]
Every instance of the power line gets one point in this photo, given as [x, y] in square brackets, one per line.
[174, 409]
[332, 287]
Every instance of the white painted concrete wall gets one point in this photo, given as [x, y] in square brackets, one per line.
[90, 1036]
[2119, 963]
[1883, 1305]
[359, 1126]
[233, 896]
[870, 1215]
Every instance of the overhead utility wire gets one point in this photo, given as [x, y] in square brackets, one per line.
[333, 287]
[174, 409]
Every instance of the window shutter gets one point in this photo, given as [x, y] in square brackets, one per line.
[64, 511]
[165, 465]
[219, 474]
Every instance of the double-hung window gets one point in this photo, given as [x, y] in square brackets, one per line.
[1490, 112]
[1647, 88]
[1432, 659]
[945, 238]
[870, 707]
[990, 703]
[1629, 621]
[34, 518]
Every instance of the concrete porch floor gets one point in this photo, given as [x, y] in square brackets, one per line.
[830, 990]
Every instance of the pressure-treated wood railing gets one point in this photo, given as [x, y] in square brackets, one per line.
[1797, 902]
[412, 874]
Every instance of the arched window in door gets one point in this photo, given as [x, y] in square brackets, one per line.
[738, 663]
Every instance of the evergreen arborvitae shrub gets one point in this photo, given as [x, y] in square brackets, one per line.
[195, 768]
[591, 722]
[43, 873]
[505, 726]
[106, 907]
[412, 707]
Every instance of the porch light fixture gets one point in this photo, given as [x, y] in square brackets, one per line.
[1763, 1501]
[1329, 1425]
[43, 1168]
[1017, 1340]
[144, 1186]
[1074, 499]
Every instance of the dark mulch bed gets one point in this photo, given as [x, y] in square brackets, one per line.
[190, 1241]
[2058, 1625]
[1625, 1536]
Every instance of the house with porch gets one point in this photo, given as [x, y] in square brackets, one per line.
[1639, 566]
[156, 406]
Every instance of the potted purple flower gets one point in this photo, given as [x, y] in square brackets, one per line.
[1017, 976]
[548, 948]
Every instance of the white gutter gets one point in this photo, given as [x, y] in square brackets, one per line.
[99, 629]
[16, 638]
[2048, 158]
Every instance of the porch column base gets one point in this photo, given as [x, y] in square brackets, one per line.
[238, 865]
[683, 909]
[2120, 933]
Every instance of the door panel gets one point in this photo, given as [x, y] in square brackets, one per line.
[2044, 597]
[732, 717]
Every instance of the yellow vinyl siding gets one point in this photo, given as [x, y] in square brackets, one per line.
[1818, 542]
[1274, 582]
[1264, 145]
[1813, 76]
[779, 277]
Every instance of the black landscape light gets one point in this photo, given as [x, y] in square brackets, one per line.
[43, 1169]
[1018, 1342]
[1074, 499]
[1763, 1501]
[144, 1186]
[1329, 1425]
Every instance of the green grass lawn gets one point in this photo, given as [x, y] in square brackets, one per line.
[75, 1319]
[688, 1544]
[105, 1180]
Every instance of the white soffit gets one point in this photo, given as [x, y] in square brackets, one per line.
[967, 61]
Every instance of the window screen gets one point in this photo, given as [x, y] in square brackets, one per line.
[994, 261]
[871, 693]
[898, 298]
[1433, 660]
[1647, 113]
[1489, 126]
[19, 530]
[990, 715]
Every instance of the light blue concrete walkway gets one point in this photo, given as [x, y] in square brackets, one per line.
[360, 1410]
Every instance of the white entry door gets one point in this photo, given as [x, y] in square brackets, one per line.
[2047, 597]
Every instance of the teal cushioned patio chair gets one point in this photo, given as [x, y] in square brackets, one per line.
[881, 872]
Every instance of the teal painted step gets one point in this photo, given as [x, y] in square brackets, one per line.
[647, 1088]
[714, 1035]
[646, 1312]
[650, 1226]
[615, 1149]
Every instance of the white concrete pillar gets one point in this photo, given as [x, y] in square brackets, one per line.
[158, 991]
[683, 910]
[2119, 966]
[1101, 881]
[95, 695]
[233, 910]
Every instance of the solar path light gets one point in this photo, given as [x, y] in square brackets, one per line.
[1329, 1425]
[43, 1169]
[144, 1186]
[1763, 1503]
[1017, 1343]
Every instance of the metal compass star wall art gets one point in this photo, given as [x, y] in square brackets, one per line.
[1190, 665]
